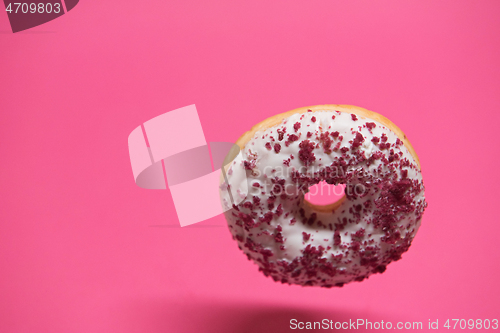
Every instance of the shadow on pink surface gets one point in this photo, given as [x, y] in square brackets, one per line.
[185, 316]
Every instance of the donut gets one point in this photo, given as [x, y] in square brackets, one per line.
[296, 242]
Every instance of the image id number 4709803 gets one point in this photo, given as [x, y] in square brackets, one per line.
[40, 8]
[471, 324]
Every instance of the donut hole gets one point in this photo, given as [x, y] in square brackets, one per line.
[324, 194]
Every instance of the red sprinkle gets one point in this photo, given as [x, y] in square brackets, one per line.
[358, 140]
[370, 126]
[306, 154]
[249, 165]
[336, 238]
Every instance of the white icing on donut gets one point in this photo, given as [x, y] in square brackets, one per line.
[295, 243]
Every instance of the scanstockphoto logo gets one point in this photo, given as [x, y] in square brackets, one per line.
[170, 150]
[24, 15]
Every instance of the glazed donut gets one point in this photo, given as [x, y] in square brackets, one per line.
[296, 242]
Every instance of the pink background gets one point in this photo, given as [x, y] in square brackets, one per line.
[83, 249]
